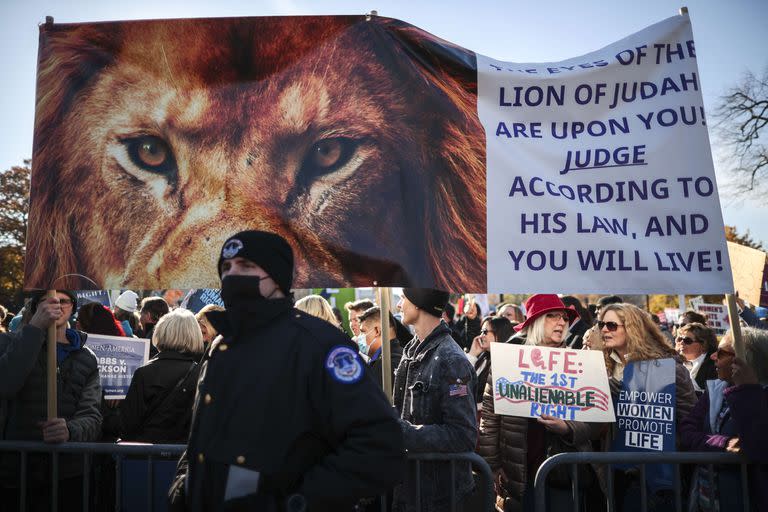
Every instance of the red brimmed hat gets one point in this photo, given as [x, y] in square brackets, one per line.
[541, 304]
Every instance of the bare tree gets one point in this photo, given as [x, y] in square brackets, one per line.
[741, 114]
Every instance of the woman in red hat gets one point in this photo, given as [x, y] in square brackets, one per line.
[515, 447]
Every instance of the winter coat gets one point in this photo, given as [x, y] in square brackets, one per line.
[283, 400]
[23, 392]
[504, 445]
[707, 371]
[468, 329]
[482, 365]
[434, 393]
[155, 410]
[395, 354]
[575, 337]
[747, 419]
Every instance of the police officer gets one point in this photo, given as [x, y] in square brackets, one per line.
[285, 416]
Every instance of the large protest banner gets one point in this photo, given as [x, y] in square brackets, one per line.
[569, 384]
[488, 176]
[602, 164]
[645, 411]
[118, 359]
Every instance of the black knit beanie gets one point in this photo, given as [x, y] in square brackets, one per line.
[431, 301]
[268, 250]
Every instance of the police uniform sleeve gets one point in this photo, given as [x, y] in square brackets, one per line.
[457, 432]
[366, 455]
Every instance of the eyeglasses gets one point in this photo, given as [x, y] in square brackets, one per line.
[686, 340]
[66, 302]
[485, 331]
[611, 326]
[724, 353]
[557, 316]
[681, 324]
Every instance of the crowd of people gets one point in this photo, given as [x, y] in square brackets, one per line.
[279, 407]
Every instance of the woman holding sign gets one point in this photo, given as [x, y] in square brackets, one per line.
[732, 416]
[652, 399]
[514, 446]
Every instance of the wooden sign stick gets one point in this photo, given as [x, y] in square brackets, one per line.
[733, 317]
[51, 369]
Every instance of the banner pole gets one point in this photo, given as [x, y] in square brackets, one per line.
[51, 366]
[385, 301]
[735, 320]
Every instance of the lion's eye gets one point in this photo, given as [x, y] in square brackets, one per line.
[150, 153]
[327, 155]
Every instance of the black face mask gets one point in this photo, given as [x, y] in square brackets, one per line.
[239, 290]
[245, 303]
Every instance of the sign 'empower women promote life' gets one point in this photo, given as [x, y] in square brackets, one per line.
[383, 154]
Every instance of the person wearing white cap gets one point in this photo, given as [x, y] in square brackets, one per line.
[125, 311]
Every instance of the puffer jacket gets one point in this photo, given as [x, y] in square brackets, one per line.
[503, 444]
[23, 366]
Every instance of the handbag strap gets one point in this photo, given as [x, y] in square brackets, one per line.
[160, 400]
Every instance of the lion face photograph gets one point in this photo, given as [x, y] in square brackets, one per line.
[357, 141]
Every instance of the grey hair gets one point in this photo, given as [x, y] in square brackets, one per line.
[756, 352]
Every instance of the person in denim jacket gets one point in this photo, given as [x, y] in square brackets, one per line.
[434, 394]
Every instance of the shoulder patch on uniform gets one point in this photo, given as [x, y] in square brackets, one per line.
[344, 365]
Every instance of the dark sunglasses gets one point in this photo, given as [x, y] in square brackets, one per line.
[686, 340]
[611, 326]
[723, 353]
[681, 324]
[485, 331]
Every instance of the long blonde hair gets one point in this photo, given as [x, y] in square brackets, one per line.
[644, 339]
[316, 305]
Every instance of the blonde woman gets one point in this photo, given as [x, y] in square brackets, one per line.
[316, 305]
[209, 332]
[629, 334]
[158, 406]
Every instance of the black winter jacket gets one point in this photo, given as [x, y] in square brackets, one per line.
[155, 410]
[284, 394]
[23, 366]
[395, 354]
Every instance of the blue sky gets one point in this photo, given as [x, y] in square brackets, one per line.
[730, 39]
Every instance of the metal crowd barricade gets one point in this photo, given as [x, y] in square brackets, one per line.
[574, 459]
[87, 450]
[481, 468]
[150, 451]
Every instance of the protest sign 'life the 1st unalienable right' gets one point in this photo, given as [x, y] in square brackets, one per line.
[570, 384]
